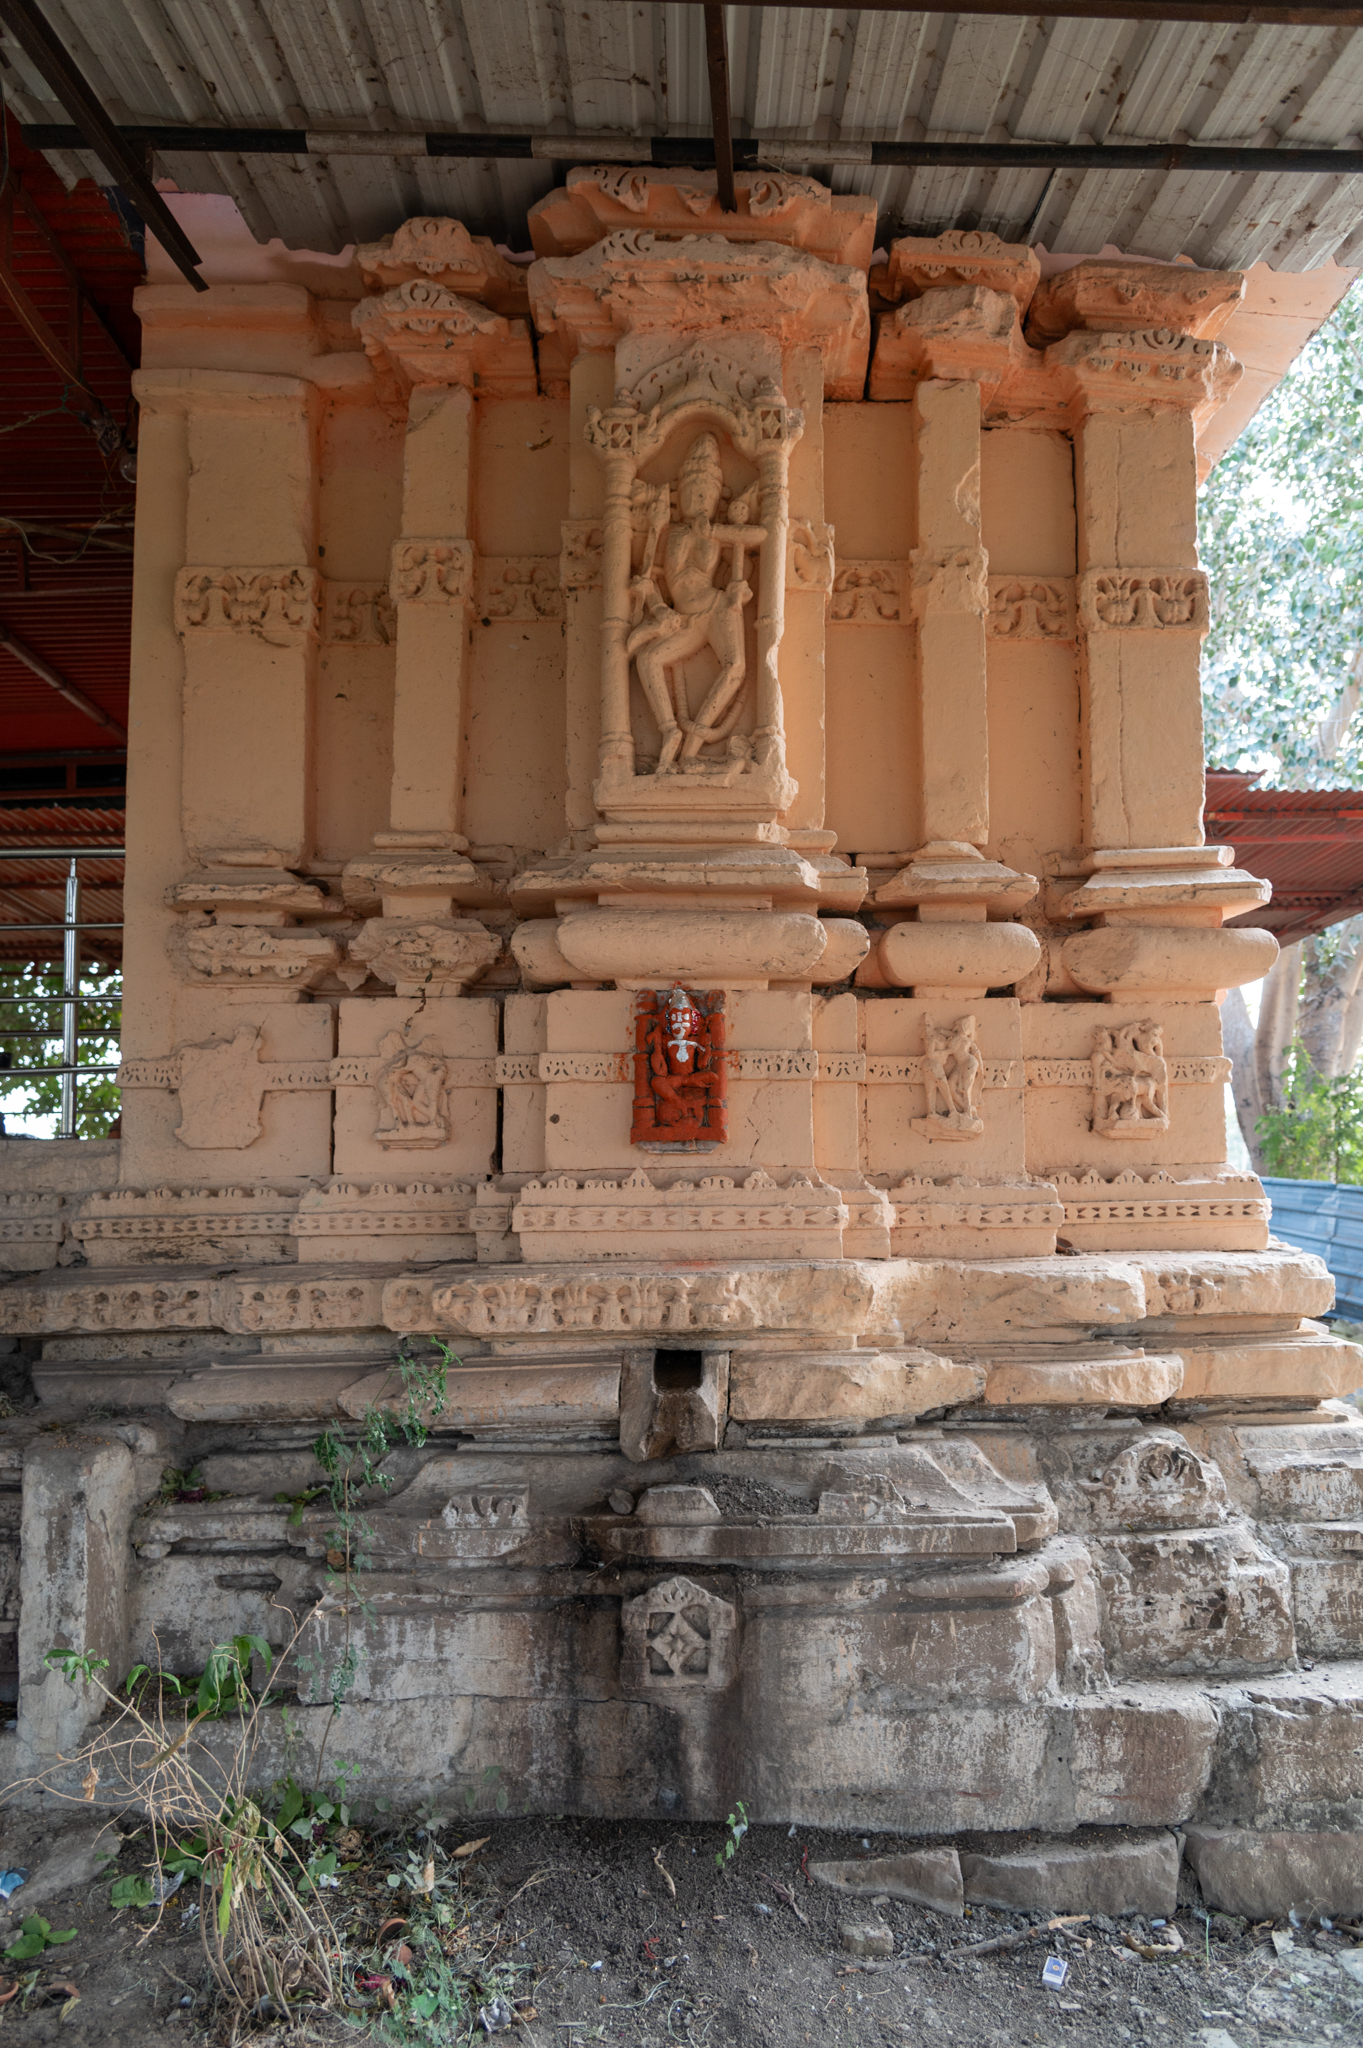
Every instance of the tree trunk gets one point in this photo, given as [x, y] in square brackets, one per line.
[1237, 1034]
[1332, 971]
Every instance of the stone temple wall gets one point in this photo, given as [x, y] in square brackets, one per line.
[665, 851]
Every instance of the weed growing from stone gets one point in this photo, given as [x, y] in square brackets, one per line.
[737, 1826]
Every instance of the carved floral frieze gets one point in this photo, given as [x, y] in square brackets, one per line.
[1143, 600]
[519, 588]
[280, 606]
[432, 572]
[1031, 607]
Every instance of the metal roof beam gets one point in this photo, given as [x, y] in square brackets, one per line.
[58, 683]
[50, 57]
[717, 63]
[675, 152]
[1277, 13]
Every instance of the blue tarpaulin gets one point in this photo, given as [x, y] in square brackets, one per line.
[1325, 1216]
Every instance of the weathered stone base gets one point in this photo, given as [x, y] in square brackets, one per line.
[923, 1545]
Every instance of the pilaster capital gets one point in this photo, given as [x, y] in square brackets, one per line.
[948, 580]
[421, 332]
[432, 572]
[1098, 372]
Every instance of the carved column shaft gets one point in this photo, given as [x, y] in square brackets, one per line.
[432, 588]
[247, 608]
[1142, 615]
[949, 604]
[617, 740]
[773, 470]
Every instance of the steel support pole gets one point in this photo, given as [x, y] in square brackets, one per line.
[70, 1009]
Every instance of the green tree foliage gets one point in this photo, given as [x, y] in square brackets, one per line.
[1281, 536]
[32, 1106]
[1317, 1131]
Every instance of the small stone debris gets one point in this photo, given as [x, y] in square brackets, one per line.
[866, 1938]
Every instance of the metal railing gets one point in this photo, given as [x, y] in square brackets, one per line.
[70, 999]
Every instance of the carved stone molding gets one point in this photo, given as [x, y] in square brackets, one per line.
[244, 955]
[809, 555]
[677, 1638]
[954, 580]
[772, 206]
[520, 588]
[432, 572]
[753, 1216]
[31, 1231]
[128, 1226]
[1143, 600]
[867, 593]
[1133, 1210]
[280, 606]
[579, 565]
[1159, 364]
[1133, 297]
[970, 257]
[1031, 607]
[420, 332]
[357, 615]
[435, 954]
[633, 281]
[1184, 1072]
[443, 252]
[386, 1220]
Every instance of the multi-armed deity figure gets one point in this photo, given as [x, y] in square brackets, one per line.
[702, 613]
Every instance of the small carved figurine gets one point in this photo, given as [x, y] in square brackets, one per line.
[952, 1069]
[413, 1095]
[1130, 1081]
[680, 1097]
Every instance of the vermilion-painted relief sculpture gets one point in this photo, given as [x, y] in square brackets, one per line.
[680, 1096]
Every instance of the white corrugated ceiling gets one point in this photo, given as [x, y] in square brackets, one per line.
[629, 67]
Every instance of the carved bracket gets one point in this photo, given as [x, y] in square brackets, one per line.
[358, 615]
[520, 588]
[867, 593]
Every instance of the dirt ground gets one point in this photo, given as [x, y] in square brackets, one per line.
[567, 1931]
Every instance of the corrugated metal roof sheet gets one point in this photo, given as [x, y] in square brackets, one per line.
[834, 73]
[1307, 842]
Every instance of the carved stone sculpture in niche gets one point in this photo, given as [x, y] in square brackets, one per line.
[694, 588]
[677, 1638]
[952, 1073]
[281, 606]
[412, 1087]
[680, 1079]
[690, 601]
[1130, 1081]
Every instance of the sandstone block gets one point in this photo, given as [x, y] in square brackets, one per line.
[966, 957]
[927, 1877]
[1288, 1752]
[694, 946]
[1142, 1757]
[1202, 1600]
[1118, 1379]
[1129, 962]
[1266, 1876]
[1327, 1597]
[816, 1386]
[1269, 1283]
[866, 1938]
[1066, 1877]
[1307, 1366]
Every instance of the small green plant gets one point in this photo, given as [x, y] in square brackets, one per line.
[131, 1891]
[177, 1485]
[77, 1667]
[737, 1825]
[299, 1503]
[223, 1688]
[473, 1794]
[35, 1935]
